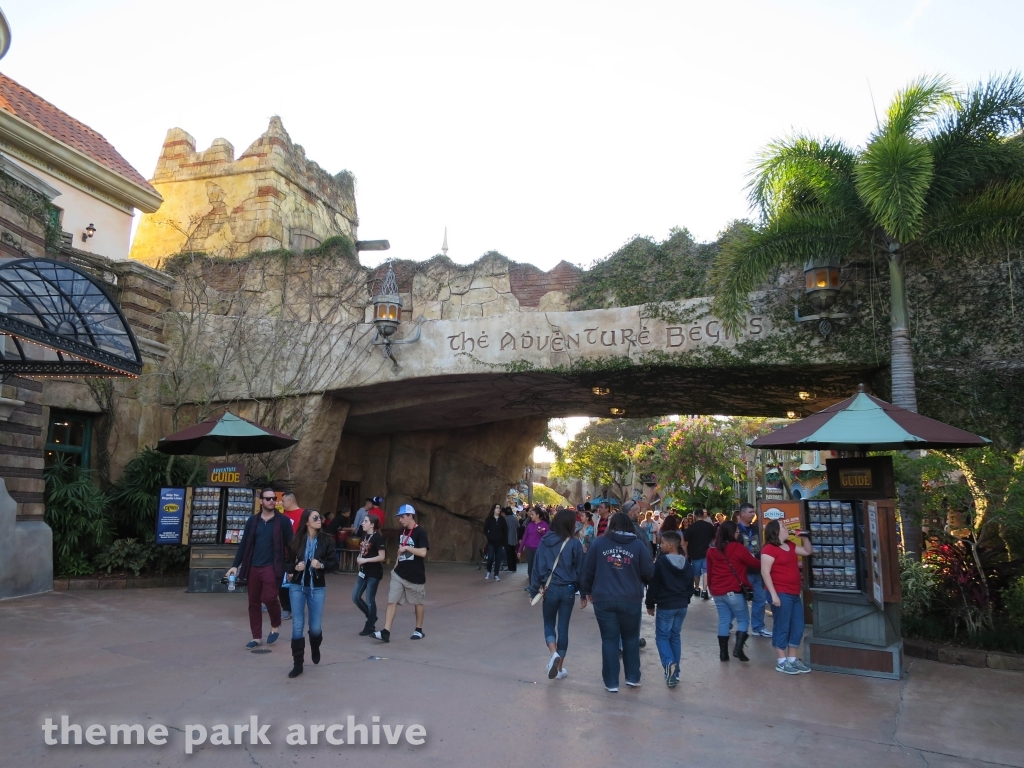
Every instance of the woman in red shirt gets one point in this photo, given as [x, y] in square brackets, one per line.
[780, 570]
[727, 564]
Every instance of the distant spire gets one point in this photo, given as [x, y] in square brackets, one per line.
[444, 245]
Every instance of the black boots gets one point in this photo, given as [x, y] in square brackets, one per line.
[314, 646]
[741, 638]
[368, 628]
[723, 648]
[298, 652]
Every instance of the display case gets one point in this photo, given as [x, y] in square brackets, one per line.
[204, 520]
[240, 505]
[837, 534]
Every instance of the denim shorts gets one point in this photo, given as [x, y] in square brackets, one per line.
[699, 567]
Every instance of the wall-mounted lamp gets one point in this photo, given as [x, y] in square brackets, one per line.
[790, 414]
[89, 232]
[617, 411]
[387, 316]
[601, 391]
[822, 284]
[804, 395]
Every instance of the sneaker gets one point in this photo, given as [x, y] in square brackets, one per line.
[562, 673]
[800, 667]
[286, 616]
[553, 666]
[383, 635]
[367, 631]
[417, 635]
[487, 577]
[497, 577]
[762, 632]
[264, 608]
[637, 684]
[611, 690]
[253, 644]
[786, 668]
[705, 595]
[272, 638]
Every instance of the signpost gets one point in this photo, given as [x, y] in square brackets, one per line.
[170, 516]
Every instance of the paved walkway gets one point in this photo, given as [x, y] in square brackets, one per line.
[476, 683]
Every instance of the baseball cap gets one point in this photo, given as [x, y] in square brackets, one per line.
[628, 506]
[378, 500]
[405, 509]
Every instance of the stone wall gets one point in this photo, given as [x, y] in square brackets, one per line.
[271, 197]
[451, 477]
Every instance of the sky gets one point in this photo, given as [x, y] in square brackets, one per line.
[544, 130]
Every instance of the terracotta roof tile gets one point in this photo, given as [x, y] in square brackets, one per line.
[36, 111]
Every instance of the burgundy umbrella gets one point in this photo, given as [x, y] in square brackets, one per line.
[865, 423]
[225, 436]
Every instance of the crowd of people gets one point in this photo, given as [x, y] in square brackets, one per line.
[618, 562]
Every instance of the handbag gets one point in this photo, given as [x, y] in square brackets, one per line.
[747, 592]
[540, 595]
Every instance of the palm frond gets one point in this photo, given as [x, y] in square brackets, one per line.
[751, 254]
[893, 179]
[990, 109]
[981, 227]
[916, 104]
[801, 171]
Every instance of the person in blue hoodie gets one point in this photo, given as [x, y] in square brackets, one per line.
[615, 570]
[670, 590]
[560, 558]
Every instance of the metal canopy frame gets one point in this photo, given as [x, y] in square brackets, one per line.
[57, 320]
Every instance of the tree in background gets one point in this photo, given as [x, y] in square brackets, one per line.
[601, 453]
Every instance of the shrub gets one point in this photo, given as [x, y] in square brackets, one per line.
[918, 584]
[167, 558]
[1013, 601]
[123, 555]
[76, 511]
[134, 498]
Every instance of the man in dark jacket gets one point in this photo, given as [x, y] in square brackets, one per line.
[496, 533]
[513, 539]
[616, 568]
[670, 590]
[260, 561]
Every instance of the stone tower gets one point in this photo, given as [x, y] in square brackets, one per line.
[270, 197]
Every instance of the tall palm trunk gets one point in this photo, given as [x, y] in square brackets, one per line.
[904, 390]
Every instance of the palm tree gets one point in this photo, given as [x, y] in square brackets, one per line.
[942, 176]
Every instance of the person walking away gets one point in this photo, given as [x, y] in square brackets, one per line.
[409, 577]
[496, 533]
[670, 523]
[632, 509]
[377, 509]
[371, 570]
[512, 522]
[614, 573]
[312, 554]
[729, 564]
[357, 521]
[535, 530]
[293, 512]
[260, 561]
[556, 573]
[698, 538]
[751, 539]
[780, 570]
[670, 591]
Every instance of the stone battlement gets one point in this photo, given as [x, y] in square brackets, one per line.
[270, 197]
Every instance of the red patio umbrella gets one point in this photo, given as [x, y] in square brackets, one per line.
[225, 436]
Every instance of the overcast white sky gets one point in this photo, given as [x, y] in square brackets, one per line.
[544, 130]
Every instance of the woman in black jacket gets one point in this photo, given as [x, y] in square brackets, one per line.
[312, 554]
[496, 531]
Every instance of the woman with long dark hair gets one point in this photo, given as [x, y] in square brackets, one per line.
[556, 573]
[312, 554]
[780, 570]
[371, 570]
[496, 533]
[727, 564]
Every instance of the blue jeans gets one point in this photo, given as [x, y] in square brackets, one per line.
[759, 602]
[367, 584]
[788, 629]
[302, 597]
[619, 622]
[731, 607]
[668, 624]
[699, 567]
[557, 605]
[494, 553]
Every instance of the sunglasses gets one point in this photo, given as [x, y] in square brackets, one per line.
[315, 518]
[269, 498]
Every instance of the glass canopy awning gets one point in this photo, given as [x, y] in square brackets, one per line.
[56, 320]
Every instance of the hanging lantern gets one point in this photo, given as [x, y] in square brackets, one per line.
[387, 306]
[821, 283]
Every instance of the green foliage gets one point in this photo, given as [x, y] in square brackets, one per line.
[34, 206]
[601, 453]
[1013, 602]
[74, 564]
[164, 558]
[76, 511]
[134, 498]
[544, 495]
[644, 271]
[123, 555]
[918, 585]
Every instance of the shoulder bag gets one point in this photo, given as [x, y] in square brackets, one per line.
[747, 592]
[540, 595]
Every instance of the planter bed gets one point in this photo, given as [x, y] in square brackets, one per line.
[969, 657]
[120, 582]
